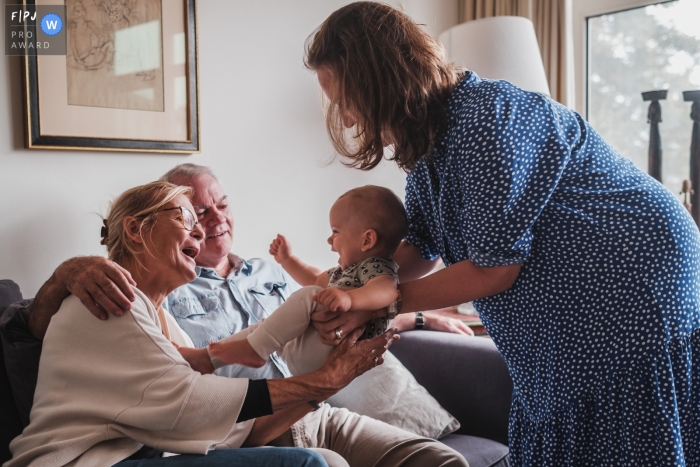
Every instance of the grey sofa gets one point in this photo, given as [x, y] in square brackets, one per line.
[469, 378]
[466, 375]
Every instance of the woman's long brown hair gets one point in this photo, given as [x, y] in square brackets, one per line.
[390, 75]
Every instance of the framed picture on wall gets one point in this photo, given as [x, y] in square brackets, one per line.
[128, 81]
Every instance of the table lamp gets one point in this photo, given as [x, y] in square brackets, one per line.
[501, 47]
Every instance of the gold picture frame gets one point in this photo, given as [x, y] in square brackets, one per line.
[100, 96]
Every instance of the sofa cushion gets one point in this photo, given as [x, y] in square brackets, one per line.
[391, 394]
[479, 452]
[9, 293]
[21, 354]
[11, 425]
[466, 375]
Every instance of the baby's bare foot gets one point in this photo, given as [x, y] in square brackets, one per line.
[238, 351]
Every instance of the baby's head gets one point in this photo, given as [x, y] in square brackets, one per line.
[367, 221]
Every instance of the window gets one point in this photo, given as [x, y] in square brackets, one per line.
[638, 49]
[643, 49]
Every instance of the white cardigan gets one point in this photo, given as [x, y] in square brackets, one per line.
[105, 388]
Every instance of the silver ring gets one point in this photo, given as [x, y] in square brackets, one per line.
[338, 333]
[376, 361]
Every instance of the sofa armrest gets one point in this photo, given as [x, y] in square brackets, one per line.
[10, 422]
[467, 376]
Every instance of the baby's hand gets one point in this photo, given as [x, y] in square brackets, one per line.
[334, 299]
[280, 249]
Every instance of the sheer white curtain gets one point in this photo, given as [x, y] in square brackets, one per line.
[550, 20]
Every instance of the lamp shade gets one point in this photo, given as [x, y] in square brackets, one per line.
[501, 47]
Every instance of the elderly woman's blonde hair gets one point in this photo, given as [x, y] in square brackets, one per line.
[141, 202]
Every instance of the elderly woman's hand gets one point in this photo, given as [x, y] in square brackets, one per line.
[351, 357]
[347, 361]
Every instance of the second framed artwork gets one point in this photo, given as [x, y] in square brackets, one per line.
[127, 83]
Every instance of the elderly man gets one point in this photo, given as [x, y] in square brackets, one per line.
[228, 295]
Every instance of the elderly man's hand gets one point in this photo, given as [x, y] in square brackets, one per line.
[445, 324]
[327, 322]
[102, 285]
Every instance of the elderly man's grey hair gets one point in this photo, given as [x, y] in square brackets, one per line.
[188, 171]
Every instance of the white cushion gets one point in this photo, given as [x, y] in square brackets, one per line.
[391, 394]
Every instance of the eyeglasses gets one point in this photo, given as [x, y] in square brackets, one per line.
[188, 220]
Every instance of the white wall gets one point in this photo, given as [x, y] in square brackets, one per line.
[262, 133]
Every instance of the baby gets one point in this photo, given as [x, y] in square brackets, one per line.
[367, 224]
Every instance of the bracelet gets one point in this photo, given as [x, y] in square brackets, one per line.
[420, 321]
[315, 405]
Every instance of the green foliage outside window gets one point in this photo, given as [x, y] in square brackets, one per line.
[644, 49]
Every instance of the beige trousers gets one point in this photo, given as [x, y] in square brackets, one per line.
[365, 442]
[288, 332]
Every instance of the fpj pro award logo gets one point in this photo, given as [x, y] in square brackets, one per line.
[35, 30]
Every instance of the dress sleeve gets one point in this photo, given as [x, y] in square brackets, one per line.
[514, 157]
[418, 230]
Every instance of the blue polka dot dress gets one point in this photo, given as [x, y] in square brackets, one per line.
[599, 331]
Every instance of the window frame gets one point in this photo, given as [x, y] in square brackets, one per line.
[581, 10]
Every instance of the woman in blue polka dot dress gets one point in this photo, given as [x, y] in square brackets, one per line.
[583, 268]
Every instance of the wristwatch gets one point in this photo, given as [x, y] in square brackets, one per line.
[420, 321]
[395, 308]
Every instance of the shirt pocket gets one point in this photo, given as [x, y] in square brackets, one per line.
[192, 307]
[267, 297]
[203, 319]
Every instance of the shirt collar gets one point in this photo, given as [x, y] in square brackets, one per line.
[239, 266]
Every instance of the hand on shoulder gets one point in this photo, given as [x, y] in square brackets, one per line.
[103, 286]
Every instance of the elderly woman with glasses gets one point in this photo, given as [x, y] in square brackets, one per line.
[109, 390]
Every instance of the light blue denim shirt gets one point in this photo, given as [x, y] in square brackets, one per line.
[210, 307]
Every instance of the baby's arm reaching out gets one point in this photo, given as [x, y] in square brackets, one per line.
[301, 272]
[378, 293]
